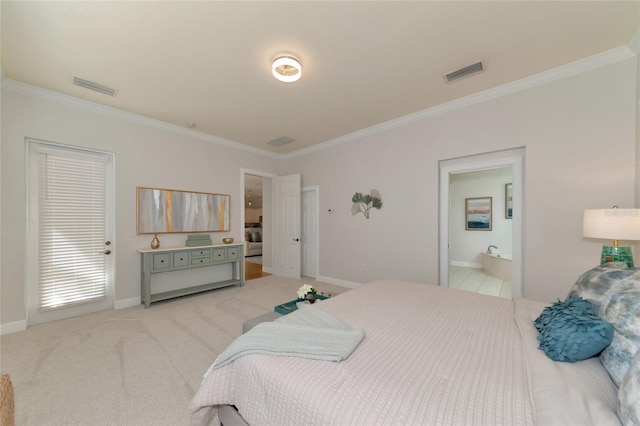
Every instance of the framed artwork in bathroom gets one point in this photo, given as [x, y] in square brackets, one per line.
[508, 201]
[478, 214]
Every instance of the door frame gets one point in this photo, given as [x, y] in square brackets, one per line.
[514, 158]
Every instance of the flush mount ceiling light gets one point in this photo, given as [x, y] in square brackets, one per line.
[286, 69]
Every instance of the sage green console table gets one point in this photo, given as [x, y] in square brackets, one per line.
[179, 258]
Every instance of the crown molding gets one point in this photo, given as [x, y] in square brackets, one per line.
[50, 95]
[582, 65]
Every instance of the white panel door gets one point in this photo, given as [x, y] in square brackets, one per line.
[309, 232]
[286, 229]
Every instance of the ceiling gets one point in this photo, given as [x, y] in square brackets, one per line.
[364, 63]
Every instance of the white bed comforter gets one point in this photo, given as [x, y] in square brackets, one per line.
[430, 356]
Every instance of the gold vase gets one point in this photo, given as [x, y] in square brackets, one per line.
[155, 243]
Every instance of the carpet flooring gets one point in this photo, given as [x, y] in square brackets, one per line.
[133, 366]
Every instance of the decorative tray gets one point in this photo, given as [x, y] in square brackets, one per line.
[288, 307]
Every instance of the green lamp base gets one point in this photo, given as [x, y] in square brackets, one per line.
[617, 254]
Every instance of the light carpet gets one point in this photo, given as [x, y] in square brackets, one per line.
[133, 366]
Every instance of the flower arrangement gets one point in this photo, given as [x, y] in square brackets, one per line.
[306, 290]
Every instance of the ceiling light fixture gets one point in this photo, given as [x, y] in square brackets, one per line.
[286, 69]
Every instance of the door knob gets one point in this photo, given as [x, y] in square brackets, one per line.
[296, 239]
[105, 252]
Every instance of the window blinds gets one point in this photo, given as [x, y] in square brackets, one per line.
[72, 223]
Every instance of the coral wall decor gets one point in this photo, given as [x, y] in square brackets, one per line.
[362, 203]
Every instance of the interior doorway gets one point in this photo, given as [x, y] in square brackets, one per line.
[513, 159]
[256, 222]
[480, 258]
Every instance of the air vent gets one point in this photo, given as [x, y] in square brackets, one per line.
[94, 86]
[464, 72]
[283, 140]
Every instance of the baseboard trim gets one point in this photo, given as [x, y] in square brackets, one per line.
[127, 303]
[335, 281]
[267, 270]
[466, 264]
[13, 327]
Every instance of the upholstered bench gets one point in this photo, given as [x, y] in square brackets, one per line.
[250, 323]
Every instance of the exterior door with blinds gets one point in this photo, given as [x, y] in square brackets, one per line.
[70, 247]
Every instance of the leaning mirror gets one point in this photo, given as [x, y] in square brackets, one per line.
[168, 210]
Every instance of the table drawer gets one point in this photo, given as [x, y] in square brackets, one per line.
[161, 261]
[180, 258]
[201, 253]
[220, 254]
[233, 253]
[200, 261]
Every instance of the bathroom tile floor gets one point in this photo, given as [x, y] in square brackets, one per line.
[472, 279]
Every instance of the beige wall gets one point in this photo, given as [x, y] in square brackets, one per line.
[252, 215]
[145, 156]
[579, 134]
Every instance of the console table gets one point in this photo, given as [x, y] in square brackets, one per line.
[179, 258]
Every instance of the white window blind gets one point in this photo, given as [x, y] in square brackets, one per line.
[72, 223]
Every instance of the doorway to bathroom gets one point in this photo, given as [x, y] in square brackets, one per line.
[491, 187]
[480, 257]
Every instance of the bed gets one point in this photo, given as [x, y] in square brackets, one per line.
[430, 355]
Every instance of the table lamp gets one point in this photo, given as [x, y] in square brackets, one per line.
[613, 224]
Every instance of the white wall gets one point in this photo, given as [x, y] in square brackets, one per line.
[579, 134]
[465, 246]
[145, 155]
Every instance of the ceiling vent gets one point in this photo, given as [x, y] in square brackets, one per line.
[464, 72]
[283, 140]
[94, 86]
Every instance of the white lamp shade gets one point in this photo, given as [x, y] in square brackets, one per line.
[612, 224]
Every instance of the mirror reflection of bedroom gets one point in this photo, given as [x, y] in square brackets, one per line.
[253, 227]
[480, 252]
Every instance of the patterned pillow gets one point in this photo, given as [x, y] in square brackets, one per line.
[629, 394]
[570, 331]
[247, 236]
[622, 309]
[596, 284]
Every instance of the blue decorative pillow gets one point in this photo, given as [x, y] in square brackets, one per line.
[622, 309]
[573, 304]
[570, 331]
[596, 284]
[256, 237]
[629, 394]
